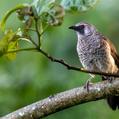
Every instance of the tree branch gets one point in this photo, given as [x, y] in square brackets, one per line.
[64, 63]
[68, 66]
[65, 100]
[61, 61]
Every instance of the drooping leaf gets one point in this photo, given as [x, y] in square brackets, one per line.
[78, 5]
[3, 22]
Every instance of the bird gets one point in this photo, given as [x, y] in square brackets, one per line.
[97, 53]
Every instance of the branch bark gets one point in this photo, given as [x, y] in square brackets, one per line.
[66, 99]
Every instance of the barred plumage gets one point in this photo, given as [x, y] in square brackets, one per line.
[97, 53]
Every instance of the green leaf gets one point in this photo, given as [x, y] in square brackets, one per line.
[3, 45]
[12, 46]
[48, 11]
[54, 16]
[42, 5]
[78, 5]
[9, 42]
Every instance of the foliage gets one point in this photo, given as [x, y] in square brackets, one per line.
[9, 42]
[45, 11]
[78, 5]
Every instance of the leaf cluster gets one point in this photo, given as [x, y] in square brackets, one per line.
[37, 16]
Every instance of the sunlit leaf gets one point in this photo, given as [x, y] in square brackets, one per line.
[12, 46]
[22, 36]
[78, 5]
[9, 42]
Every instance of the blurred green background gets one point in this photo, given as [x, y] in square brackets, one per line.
[32, 77]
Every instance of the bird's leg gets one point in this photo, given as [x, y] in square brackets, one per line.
[88, 83]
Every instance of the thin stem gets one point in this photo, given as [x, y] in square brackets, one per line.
[31, 29]
[64, 63]
[33, 42]
[44, 30]
[69, 67]
[38, 32]
[20, 50]
[9, 13]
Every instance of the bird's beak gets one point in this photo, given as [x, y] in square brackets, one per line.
[72, 27]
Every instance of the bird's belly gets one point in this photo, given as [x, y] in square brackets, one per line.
[96, 59]
[88, 61]
[86, 55]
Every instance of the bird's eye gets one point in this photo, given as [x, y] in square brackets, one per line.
[81, 29]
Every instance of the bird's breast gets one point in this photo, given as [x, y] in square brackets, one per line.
[86, 53]
[95, 56]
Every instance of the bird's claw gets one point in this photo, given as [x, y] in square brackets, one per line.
[87, 85]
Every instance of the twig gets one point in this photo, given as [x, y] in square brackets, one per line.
[65, 100]
[20, 50]
[37, 30]
[44, 30]
[34, 43]
[61, 61]
[64, 63]
[31, 29]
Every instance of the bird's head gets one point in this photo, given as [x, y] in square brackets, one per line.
[83, 29]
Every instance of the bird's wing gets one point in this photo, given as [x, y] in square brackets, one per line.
[113, 101]
[113, 51]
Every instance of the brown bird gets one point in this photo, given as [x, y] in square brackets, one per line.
[97, 53]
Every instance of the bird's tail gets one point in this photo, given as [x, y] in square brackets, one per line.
[113, 101]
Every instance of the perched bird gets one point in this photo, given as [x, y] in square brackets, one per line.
[97, 53]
